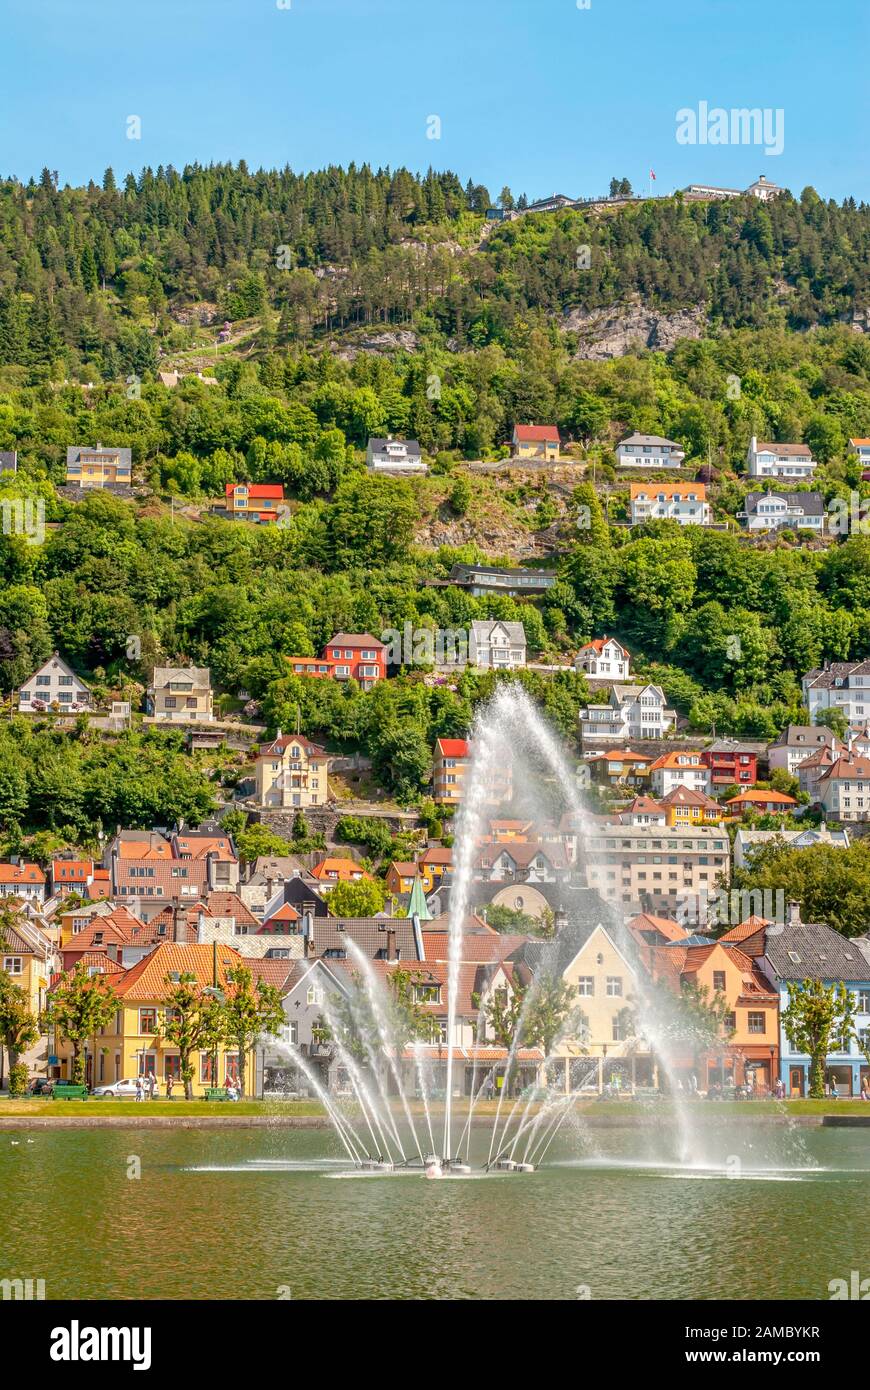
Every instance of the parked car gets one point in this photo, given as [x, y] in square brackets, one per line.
[116, 1088]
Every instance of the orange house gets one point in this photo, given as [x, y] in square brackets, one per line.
[749, 1054]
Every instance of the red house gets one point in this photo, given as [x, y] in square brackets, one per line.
[731, 764]
[254, 501]
[348, 656]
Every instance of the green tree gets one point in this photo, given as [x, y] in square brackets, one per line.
[19, 1027]
[363, 898]
[78, 1007]
[194, 1021]
[249, 1013]
[817, 1017]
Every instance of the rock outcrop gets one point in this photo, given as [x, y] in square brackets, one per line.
[607, 333]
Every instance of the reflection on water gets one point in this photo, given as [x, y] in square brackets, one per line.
[245, 1213]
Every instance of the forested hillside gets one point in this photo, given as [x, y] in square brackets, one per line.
[95, 288]
[95, 274]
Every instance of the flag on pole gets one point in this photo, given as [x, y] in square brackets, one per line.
[652, 173]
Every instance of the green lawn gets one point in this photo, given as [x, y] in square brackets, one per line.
[623, 1109]
[77, 1108]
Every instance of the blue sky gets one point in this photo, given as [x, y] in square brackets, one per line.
[538, 94]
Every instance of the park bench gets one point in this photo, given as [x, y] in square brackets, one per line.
[68, 1090]
[216, 1093]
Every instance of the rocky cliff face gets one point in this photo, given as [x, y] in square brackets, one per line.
[606, 333]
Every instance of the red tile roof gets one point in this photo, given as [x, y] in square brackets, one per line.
[531, 434]
[452, 747]
[147, 979]
[21, 873]
[267, 492]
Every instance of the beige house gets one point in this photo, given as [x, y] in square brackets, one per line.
[292, 772]
[181, 694]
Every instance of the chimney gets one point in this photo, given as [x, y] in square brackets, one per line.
[794, 914]
[112, 950]
[392, 950]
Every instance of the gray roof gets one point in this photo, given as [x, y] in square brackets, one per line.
[811, 503]
[824, 678]
[482, 631]
[110, 450]
[648, 439]
[820, 951]
[586, 910]
[809, 736]
[369, 933]
[460, 571]
[735, 745]
[412, 446]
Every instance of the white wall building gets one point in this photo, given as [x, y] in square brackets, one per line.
[498, 645]
[793, 461]
[55, 683]
[649, 451]
[767, 511]
[633, 711]
[604, 658]
[797, 742]
[843, 685]
[394, 456]
[683, 502]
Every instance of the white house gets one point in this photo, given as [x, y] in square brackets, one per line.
[843, 790]
[679, 770]
[767, 511]
[683, 502]
[633, 711]
[843, 685]
[798, 742]
[604, 658]
[394, 456]
[861, 448]
[648, 451]
[498, 645]
[54, 684]
[779, 460]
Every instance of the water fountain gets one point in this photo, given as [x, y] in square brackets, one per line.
[509, 733]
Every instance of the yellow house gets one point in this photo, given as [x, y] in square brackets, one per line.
[432, 865]
[687, 806]
[605, 985]
[292, 772]
[181, 694]
[536, 442]
[133, 1046]
[25, 957]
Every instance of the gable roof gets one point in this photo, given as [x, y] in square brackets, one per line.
[811, 503]
[56, 659]
[146, 980]
[819, 951]
[532, 434]
[452, 747]
[354, 639]
[281, 742]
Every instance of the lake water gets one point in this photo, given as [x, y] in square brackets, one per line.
[246, 1213]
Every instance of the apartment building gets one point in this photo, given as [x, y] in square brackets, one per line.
[655, 869]
[843, 685]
